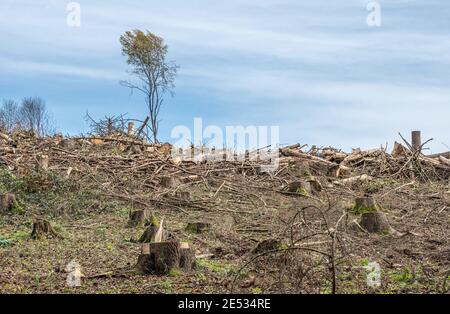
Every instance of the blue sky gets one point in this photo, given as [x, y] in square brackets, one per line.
[314, 68]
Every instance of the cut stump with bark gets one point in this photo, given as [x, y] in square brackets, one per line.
[163, 257]
[375, 222]
[7, 201]
[43, 229]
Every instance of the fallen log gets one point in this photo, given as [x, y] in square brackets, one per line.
[348, 181]
[445, 155]
[5, 137]
[444, 160]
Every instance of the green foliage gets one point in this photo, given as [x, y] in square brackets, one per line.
[9, 182]
[175, 272]
[17, 208]
[405, 276]
[327, 288]
[166, 285]
[10, 240]
[216, 266]
[154, 221]
[301, 191]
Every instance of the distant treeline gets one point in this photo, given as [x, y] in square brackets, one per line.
[30, 115]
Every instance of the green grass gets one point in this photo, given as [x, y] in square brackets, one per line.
[10, 240]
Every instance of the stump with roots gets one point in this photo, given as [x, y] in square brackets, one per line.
[138, 218]
[42, 228]
[375, 222]
[163, 257]
[7, 201]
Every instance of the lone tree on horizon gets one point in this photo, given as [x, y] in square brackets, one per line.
[146, 53]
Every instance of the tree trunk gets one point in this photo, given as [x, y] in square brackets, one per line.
[416, 140]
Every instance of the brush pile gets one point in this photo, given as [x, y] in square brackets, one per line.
[295, 227]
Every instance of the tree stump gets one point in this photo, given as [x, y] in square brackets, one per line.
[187, 257]
[299, 187]
[7, 201]
[137, 218]
[198, 227]
[43, 163]
[43, 228]
[160, 258]
[170, 182]
[267, 245]
[375, 222]
[364, 204]
[416, 141]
